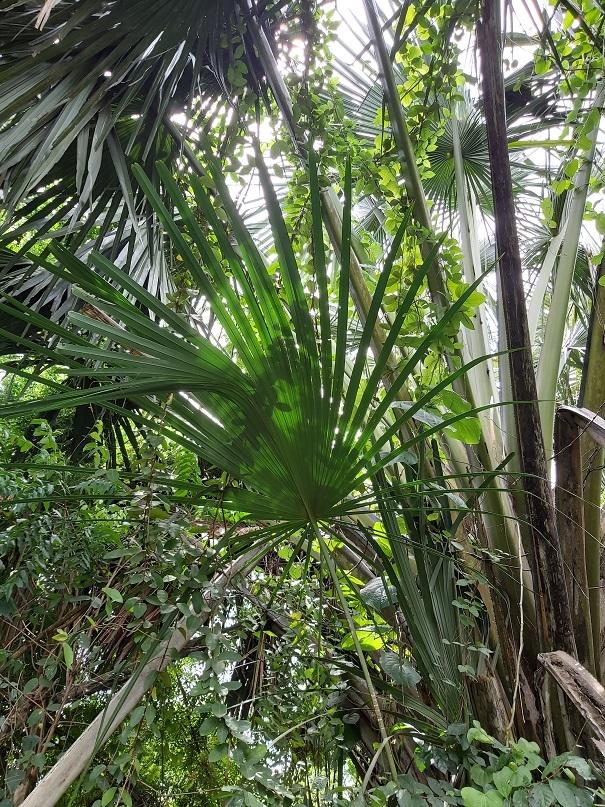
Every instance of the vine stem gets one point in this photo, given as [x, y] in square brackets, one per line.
[327, 558]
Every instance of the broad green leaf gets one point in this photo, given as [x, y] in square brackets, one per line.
[569, 760]
[568, 795]
[113, 594]
[540, 795]
[209, 725]
[256, 754]
[107, 796]
[218, 709]
[218, 752]
[503, 780]
[467, 430]
[477, 734]
[368, 639]
[68, 655]
[475, 798]
[507, 779]
[480, 775]
[400, 670]
[137, 715]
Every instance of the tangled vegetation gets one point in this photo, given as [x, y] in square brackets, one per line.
[303, 369]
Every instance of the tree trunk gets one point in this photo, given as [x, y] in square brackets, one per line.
[570, 525]
[552, 607]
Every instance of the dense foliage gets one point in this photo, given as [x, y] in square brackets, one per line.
[283, 409]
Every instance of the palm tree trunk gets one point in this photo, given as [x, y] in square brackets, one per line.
[554, 618]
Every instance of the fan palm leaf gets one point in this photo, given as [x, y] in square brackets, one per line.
[532, 107]
[90, 94]
[275, 413]
[271, 400]
[99, 64]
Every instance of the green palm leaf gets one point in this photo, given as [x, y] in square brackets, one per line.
[271, 402]
[257, 407]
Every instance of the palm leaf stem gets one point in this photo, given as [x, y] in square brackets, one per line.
[327, 559]
[548, 365]
[592, 396]
[476, 343]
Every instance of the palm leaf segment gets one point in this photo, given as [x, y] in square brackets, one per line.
[270, 402]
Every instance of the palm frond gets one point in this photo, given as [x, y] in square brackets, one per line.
[272, 401]
[89, 95]
[532, 107]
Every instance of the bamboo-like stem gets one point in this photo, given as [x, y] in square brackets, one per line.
[592, 396]
[76, 759]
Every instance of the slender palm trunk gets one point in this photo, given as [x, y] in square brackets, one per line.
[592, 396]
[554, 619]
